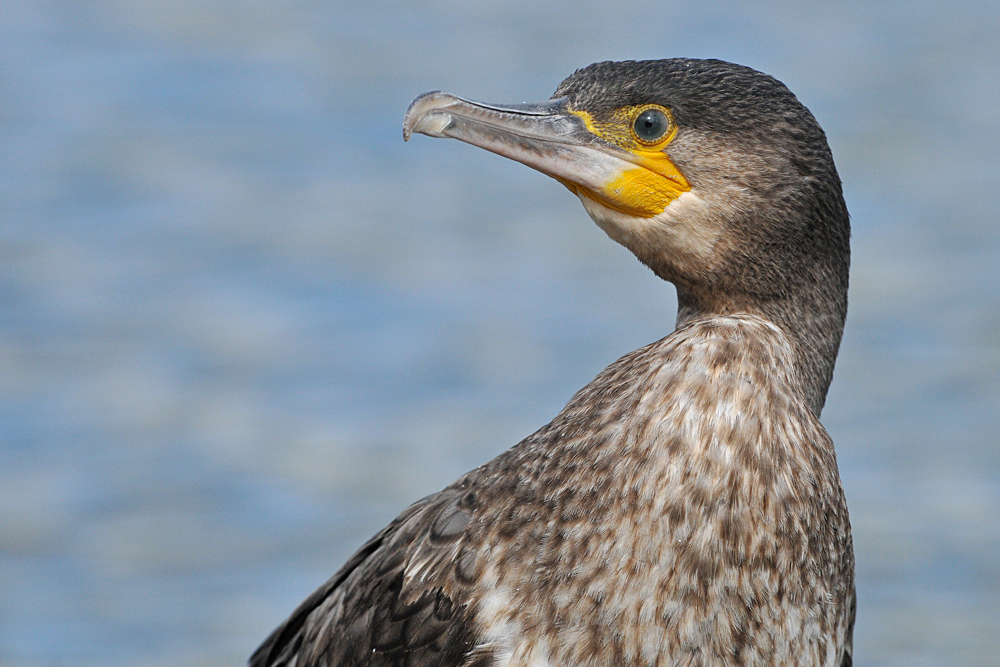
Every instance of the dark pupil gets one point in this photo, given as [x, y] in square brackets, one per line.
[651, 125]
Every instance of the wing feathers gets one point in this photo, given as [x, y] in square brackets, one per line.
[388, 605]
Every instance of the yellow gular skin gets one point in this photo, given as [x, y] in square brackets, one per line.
[646, 189]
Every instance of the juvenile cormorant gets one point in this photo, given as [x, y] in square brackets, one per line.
[685, 507]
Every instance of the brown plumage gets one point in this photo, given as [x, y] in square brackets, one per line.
[685, 507]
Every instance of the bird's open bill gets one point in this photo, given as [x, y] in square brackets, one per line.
[558, 141]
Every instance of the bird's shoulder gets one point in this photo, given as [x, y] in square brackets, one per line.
[694, 384]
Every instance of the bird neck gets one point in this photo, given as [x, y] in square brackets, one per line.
[813, 321]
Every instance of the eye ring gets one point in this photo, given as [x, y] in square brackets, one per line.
[651, 125]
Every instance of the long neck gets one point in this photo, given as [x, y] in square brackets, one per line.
[813, 320]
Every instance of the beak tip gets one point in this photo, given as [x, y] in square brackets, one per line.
[421, 118]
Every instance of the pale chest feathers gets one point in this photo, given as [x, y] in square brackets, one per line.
[684, 508]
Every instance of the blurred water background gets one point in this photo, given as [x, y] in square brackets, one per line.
[243, 324]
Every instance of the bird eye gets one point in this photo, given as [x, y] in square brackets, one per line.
[651, 125]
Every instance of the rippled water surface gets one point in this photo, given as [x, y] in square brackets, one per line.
[243, 324]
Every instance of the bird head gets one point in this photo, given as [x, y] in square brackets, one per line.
[712, 174]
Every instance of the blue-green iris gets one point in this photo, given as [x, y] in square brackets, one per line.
[651, 125]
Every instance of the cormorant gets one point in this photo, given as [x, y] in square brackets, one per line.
[685, 507]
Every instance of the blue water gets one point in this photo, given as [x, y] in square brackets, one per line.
[243, 324]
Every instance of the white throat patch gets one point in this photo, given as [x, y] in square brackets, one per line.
[687, 230]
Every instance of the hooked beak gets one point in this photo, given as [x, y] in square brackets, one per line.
[550, 137]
